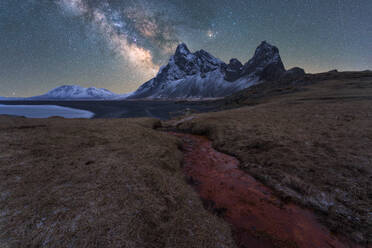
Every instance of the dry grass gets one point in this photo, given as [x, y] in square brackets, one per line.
[311, 144]
[98, 183]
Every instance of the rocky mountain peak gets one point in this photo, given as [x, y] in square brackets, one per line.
[235, 63]
[182, 56]
[233, 70]
[184, 63]
[266, 48]
[182, 50]
[266, 62]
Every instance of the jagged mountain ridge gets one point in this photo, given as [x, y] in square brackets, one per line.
[201, 75]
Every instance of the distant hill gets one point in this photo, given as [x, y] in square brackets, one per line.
[75, 92]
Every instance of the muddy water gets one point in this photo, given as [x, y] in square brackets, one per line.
[258, 218]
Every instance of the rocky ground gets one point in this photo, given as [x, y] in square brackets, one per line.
[309, 141]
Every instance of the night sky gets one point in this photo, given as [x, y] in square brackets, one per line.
[120, 44]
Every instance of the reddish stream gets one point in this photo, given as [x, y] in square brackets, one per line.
[258, 217]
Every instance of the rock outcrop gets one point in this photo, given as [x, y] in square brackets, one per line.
[233, 70]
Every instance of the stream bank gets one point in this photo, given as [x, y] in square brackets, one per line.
[258, 218]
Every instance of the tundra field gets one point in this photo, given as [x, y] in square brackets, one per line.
[120, 183]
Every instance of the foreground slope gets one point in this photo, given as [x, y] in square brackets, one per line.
[98, 183]
[309, 141]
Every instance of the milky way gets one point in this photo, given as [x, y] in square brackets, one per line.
[120, 44]
[127, 30]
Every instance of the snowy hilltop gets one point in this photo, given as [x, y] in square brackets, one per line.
[74, 92]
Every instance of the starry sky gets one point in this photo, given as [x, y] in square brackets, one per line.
[120, 44]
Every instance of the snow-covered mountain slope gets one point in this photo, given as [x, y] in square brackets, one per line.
[189, 75]
[210, 85]
[74, 92]
[201, 75]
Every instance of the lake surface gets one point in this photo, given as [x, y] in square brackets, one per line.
[114, 109]
[44, 111]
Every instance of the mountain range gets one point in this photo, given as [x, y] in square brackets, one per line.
[201, 75]
[190, 75]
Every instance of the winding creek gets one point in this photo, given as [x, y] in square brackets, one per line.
[258, 218]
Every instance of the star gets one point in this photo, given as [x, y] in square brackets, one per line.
[211, 34]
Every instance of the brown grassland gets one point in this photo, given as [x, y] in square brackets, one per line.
[98, 183]
[119, 182]
[310, 142]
